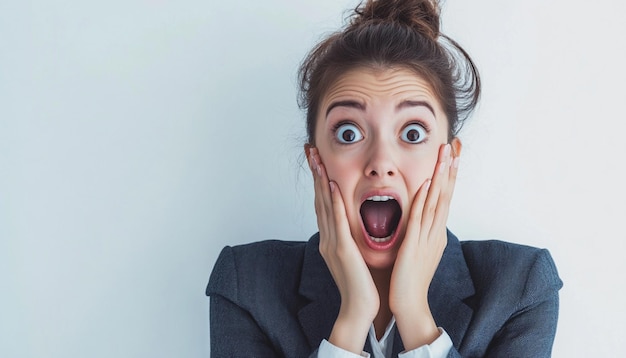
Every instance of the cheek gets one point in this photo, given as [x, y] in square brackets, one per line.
[344, 173]
[418, 169]
[340, 167]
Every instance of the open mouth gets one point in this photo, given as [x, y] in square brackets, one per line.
[380, 216]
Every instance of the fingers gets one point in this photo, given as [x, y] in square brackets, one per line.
[323, 199]
[425, 239]
[430, 207]
[417, 209]
[320, 205]
[438, 202]
[329, 205]
[339, 212]
[438, 184]
[445, 195]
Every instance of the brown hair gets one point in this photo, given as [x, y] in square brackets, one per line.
[393, 33]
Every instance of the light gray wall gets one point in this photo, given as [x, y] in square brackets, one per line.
[137, 138]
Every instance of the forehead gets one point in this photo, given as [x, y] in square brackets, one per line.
[369, 84]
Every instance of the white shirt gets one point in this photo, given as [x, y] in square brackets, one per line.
[383, 348]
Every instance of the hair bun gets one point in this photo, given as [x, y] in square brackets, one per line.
[421, 15]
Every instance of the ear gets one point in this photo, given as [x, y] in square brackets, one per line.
[307, 153]
[307, 149]
[456, 145]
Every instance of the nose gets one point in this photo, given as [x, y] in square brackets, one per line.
[380, 162]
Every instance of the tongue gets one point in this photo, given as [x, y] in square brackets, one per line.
[380, 217]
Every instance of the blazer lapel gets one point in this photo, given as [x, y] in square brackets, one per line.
[317, 285]
[451, 286]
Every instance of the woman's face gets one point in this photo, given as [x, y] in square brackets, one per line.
[378, 134]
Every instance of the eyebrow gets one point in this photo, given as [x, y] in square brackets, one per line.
[348, 103]
[360, 106]
[408, 103]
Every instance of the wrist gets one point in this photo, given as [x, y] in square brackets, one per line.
[349, 333]
[410, 305]
[417, 327]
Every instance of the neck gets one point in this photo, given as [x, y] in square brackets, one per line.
[382, 280]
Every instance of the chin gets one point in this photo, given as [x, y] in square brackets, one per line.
[379, 260]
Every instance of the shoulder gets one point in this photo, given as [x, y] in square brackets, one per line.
[259, 253]
[261, 266]
[507, 269]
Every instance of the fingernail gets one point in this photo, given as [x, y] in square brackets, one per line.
[456, 161]
[332, 186]
[442, 166]
[318, 169]
[315, 164]
[446, 150]
[427, 184]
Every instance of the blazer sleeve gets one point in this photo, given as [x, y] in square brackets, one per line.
[234, 332]
[530, 330]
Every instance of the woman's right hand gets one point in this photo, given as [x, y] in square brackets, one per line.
[359, 297]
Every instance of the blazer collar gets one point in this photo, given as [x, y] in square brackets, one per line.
[317, 285]
[451, 286]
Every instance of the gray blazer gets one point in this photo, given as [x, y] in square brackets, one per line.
[278, 299]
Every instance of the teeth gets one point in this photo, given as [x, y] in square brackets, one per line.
[381, 239]
[380, 198]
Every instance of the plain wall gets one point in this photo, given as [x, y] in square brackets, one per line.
[137, 138]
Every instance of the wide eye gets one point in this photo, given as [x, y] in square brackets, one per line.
[348, 133]
[413, 133]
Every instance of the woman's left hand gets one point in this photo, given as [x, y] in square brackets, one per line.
[420, 254]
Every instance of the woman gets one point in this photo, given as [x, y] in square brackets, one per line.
[385, 99]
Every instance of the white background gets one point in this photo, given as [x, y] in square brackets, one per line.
[139, 137]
